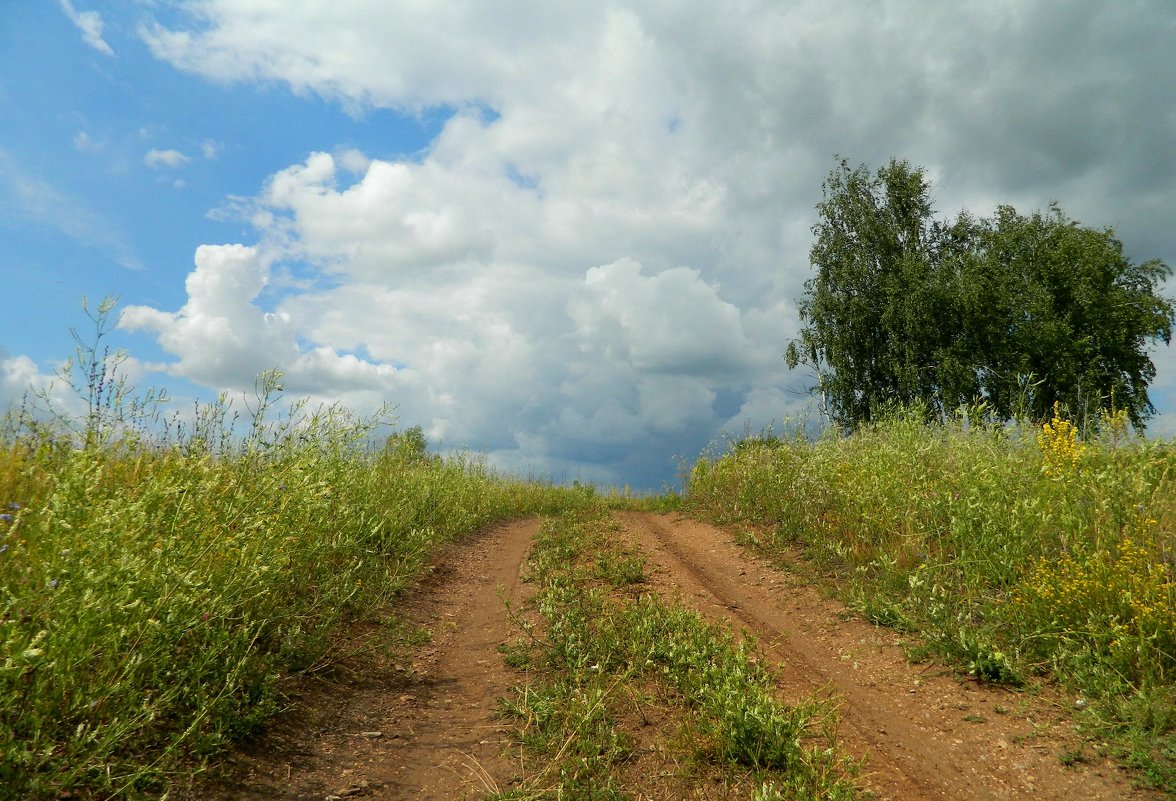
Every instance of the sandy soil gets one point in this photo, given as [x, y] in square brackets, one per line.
[423, 726]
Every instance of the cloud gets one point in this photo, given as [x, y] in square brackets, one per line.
[48, 396]
[595, 264]
[84, 143]
[209, 149]
[368, 55]
[155, 159]
[17, 375]
[90, 24]
[24, 386]
[671, 323]
[225, 340]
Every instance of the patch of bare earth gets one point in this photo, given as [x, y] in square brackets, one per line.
[926, 734]
[415, 723]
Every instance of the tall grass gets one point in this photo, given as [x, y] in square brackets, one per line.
[1019, 551]
[156, 585]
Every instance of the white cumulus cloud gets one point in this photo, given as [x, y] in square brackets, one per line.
[594, 266]
[18, 375]
[224, 339]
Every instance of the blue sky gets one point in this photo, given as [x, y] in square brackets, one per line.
[85, 212]
[570, 236]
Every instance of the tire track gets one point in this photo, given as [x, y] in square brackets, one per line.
[419, 724]
[927, 735]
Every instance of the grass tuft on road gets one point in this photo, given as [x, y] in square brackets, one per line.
[605, 658]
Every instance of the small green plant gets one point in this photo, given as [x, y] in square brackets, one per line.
[621, 569]
[516, 654]
[602, 649]
[1073, 756]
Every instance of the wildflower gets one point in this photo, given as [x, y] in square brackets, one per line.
[5, 517]
[53, 584]
[1059, 445]
[14, 506]
[3, 548]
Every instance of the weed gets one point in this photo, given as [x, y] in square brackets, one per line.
[517, 655]
[1016, 551]
[620, 569]
[158, 576]
[602, 649]
[1073, 756]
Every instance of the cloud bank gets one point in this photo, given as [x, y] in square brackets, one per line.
[594, 266]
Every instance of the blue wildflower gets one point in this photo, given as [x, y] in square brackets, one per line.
[5, 517]
[14, 506]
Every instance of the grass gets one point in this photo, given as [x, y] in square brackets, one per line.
[158, 581]
[1021, 553]
[608, 656]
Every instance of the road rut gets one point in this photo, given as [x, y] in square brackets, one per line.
[926, 734]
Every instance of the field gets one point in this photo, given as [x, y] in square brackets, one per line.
[1023, 554]
[159, 588]
[172, 592]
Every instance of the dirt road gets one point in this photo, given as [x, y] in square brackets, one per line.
[927, 735]
[426, 729]
[421, 727]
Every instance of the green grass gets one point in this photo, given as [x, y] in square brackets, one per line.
[1020, 553]
[608, 652]
[158, 581]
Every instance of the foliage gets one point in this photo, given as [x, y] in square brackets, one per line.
[410, 444]
[1018, 312]
[1018, 552]
[158, 581]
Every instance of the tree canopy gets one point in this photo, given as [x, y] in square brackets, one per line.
[1016, 312]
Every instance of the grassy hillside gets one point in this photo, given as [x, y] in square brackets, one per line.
[1021, 553]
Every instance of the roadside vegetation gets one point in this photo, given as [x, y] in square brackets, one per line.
[1022, 553]
[627, 692]
[159, 581]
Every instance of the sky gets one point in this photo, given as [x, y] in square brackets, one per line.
[568, 235]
